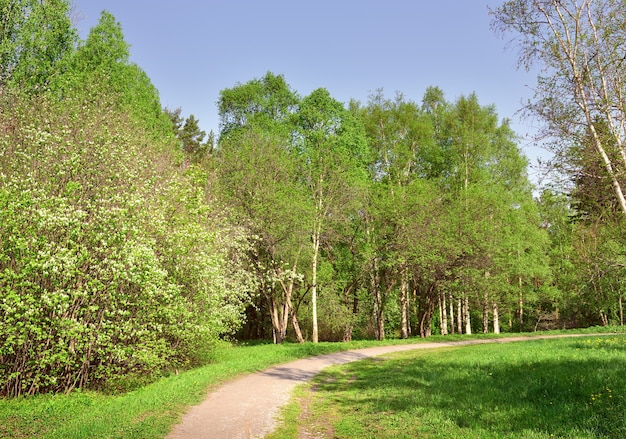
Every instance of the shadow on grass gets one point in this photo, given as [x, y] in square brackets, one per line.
[560, 396]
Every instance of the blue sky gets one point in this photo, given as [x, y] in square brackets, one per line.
[192, 49]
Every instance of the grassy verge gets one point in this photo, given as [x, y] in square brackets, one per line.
[150, 411]
[566, 388]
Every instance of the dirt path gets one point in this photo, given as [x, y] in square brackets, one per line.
[246, 407]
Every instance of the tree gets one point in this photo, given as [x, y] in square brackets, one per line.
[104, 57]
[592, 193]
[112, 262]
[489, 195]
[401, 139]
[261, 177]
[35, 37]
[580, 93]
[268, 102]
[188, 132]
[333, 156]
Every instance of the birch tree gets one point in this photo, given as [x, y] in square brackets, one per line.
[260, 174]
[333, 156]
[35, 37]
[400, 134]
[578, 47]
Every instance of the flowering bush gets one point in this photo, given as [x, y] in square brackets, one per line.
[112, 262]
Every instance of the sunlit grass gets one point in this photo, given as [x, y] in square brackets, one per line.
[568, 388]
[149, 411]
[152, 410]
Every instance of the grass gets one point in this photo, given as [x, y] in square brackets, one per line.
[556, 388]
[152, 410]
[149, 411]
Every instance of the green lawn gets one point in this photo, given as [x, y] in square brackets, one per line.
[565, 388]
[150, 411]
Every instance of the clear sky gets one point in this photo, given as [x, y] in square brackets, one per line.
[192, 49]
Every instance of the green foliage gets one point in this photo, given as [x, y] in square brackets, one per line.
[35, 37]
[103, 58]
[91, 290]
[191, 137]
[267, 102]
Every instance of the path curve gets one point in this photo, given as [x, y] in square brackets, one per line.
[246, 407]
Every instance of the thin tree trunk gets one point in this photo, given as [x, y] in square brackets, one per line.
[316, 248]
[375, 287]
[468, 323]
[404, 306]
[496, 318]
[443, 314]
[451, 301]
[459, 316]
[279, 329]
[520, 306]
[294, 318]
[349, 327]
[486, 314]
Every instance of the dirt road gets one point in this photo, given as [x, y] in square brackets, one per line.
[247, 407]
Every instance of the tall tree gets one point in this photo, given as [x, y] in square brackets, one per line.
[261, 176]
[487, 187]
[333, 156]
[401, 139]
[104, 58]
[580, 93]
[188, 132]
[267, 102]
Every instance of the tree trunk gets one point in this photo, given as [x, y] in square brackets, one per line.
[459, 316]
[427, 306]
[486, 314]
[443, 314]
[288, 293]
[466, 315]
[404, 307]
[520, 304]
[377, 296]
[604, 318]
[316, 249]
[279, 328]
[451, 301]
[496, 318]
[349, 327]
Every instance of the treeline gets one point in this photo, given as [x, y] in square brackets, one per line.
[384, 216]
[130, 241]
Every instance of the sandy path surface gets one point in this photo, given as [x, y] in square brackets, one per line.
[247, 407]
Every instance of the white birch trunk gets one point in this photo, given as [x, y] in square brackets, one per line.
[520, 304]
[443, 314]
[486, 314]
[496, 318]
[404, 307]
[459, 316]
[451, 304]
[316, 247]
[466, 312]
